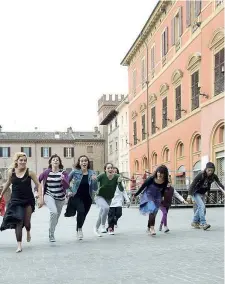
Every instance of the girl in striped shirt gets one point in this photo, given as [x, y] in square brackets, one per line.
[55, 183]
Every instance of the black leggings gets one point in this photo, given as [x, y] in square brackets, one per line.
[79, 206]
[151, 220]
[26, 223]
[114, 214]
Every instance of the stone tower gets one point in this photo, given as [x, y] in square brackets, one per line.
[105, 104]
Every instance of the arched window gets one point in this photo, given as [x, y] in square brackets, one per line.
[136, 166]
[221, 134]
[180, 150]
[181, 178]
[166, 155]
[144, 164]
[196, 144]
[154, 161]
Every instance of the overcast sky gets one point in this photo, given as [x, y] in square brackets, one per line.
[58, 57]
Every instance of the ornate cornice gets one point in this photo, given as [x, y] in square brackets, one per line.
[163, 89]
[134, 114]
[194, 60]
[218, 38]
[143, 107]
[177, 76]
[152, 98]
[147, 30]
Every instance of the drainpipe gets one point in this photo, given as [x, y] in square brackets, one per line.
[147, 102]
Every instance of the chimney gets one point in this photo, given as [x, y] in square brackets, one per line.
[57, 135]
[0, 128]
[96, 129]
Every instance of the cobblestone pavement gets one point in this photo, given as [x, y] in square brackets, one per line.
[184, 255]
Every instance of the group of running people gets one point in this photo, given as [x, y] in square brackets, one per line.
[54, 185]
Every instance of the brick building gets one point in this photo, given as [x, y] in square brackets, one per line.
[176, 89]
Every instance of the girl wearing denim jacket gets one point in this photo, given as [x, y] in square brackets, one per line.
[84, 182]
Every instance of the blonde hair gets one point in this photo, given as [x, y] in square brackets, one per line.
[15, 159]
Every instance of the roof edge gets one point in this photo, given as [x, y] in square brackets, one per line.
[145, 31]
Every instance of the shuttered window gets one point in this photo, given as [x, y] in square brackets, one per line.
[26, 150]
[164, 112]
[178, 102]
[153, 120]
[143, 127]
[195, 90]
[165, 42]
[219, 72]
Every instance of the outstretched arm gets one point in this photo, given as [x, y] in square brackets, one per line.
[146, 183]
[179, 197]
[220, 185]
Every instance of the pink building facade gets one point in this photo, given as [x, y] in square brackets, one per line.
[176, 89]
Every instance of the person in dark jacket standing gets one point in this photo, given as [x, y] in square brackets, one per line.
[198, 188]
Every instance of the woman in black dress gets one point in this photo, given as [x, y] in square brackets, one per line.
[22, 202]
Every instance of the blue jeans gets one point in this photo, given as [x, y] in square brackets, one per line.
[195, 206]
[199, 215]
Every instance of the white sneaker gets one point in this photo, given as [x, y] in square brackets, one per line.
[111, 231]
[97, 233]
[80, 235]
[52, 239]
[103, 230]
[166, 229]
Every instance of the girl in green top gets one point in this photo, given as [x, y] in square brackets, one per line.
[108, 182]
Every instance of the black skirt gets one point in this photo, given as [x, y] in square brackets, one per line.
[15, 213]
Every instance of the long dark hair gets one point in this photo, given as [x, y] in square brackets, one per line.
[105, 166]
[60, 161]
[117, 170]
[162, 170]
[77, 165]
